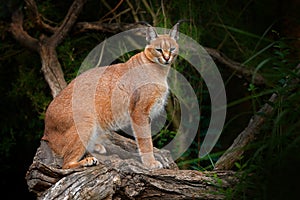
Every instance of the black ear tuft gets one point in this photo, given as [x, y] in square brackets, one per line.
[174, 31]
[151, 34]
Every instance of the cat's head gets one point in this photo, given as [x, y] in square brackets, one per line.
[162, 49]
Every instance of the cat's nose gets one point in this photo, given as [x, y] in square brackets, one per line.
[166, 57]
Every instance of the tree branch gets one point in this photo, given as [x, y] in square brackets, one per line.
[236, 67]
[67, 23]
[149, 9]
[133, 11]
[52, 70]
[36, 16]
[16, 28]
[236, 150]
[99, 26]
[112, 10]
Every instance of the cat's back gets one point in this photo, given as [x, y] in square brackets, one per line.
[80, 94]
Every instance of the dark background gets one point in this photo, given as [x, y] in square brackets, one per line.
[264, 32]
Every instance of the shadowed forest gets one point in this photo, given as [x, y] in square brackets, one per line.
[254, 43]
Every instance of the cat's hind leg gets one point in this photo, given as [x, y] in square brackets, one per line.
[75, 151]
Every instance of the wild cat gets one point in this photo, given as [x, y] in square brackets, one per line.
[129, 93]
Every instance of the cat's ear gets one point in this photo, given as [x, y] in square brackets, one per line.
[151, 34]
[174, 31]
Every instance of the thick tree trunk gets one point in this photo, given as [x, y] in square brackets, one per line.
[121, 176]
[51, 68]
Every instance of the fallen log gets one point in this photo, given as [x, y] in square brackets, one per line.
[122, 176]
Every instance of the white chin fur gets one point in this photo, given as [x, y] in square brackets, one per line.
[163, 62]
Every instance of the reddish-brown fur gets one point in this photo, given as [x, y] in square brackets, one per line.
[108, 98]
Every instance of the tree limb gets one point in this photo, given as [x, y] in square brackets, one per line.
[236, 67]
[52, 70]
[16, 28]
[36, 16]
[133, 11]
[67, 23]
[149, 9]
[112, 10]
[105, 27]
[236, 150]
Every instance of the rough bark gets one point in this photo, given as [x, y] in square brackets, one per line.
[20, 34]
[68, 22]
[51, 69]
[122, 176]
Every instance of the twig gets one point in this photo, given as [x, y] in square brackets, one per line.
[112, 10]
[119, 14]
[134, 13]
[164, 13]
[68, 22]
[150, 11]
[36, 16]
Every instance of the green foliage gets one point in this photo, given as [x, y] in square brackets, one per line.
[30, 84]
[24, 98]
[272, 157]
[163, 138]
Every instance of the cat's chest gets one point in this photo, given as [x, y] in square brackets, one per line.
[146, 100]
[159, 104]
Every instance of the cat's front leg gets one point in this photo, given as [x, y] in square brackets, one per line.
[146, 153]
[141, 125]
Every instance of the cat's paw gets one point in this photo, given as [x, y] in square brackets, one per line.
[150, 162]
[90, 161]
[154, 165]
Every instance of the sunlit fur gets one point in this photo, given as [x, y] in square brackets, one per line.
[108, 98]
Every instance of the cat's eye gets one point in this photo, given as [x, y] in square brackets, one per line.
[172, 49]
[159, 50]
